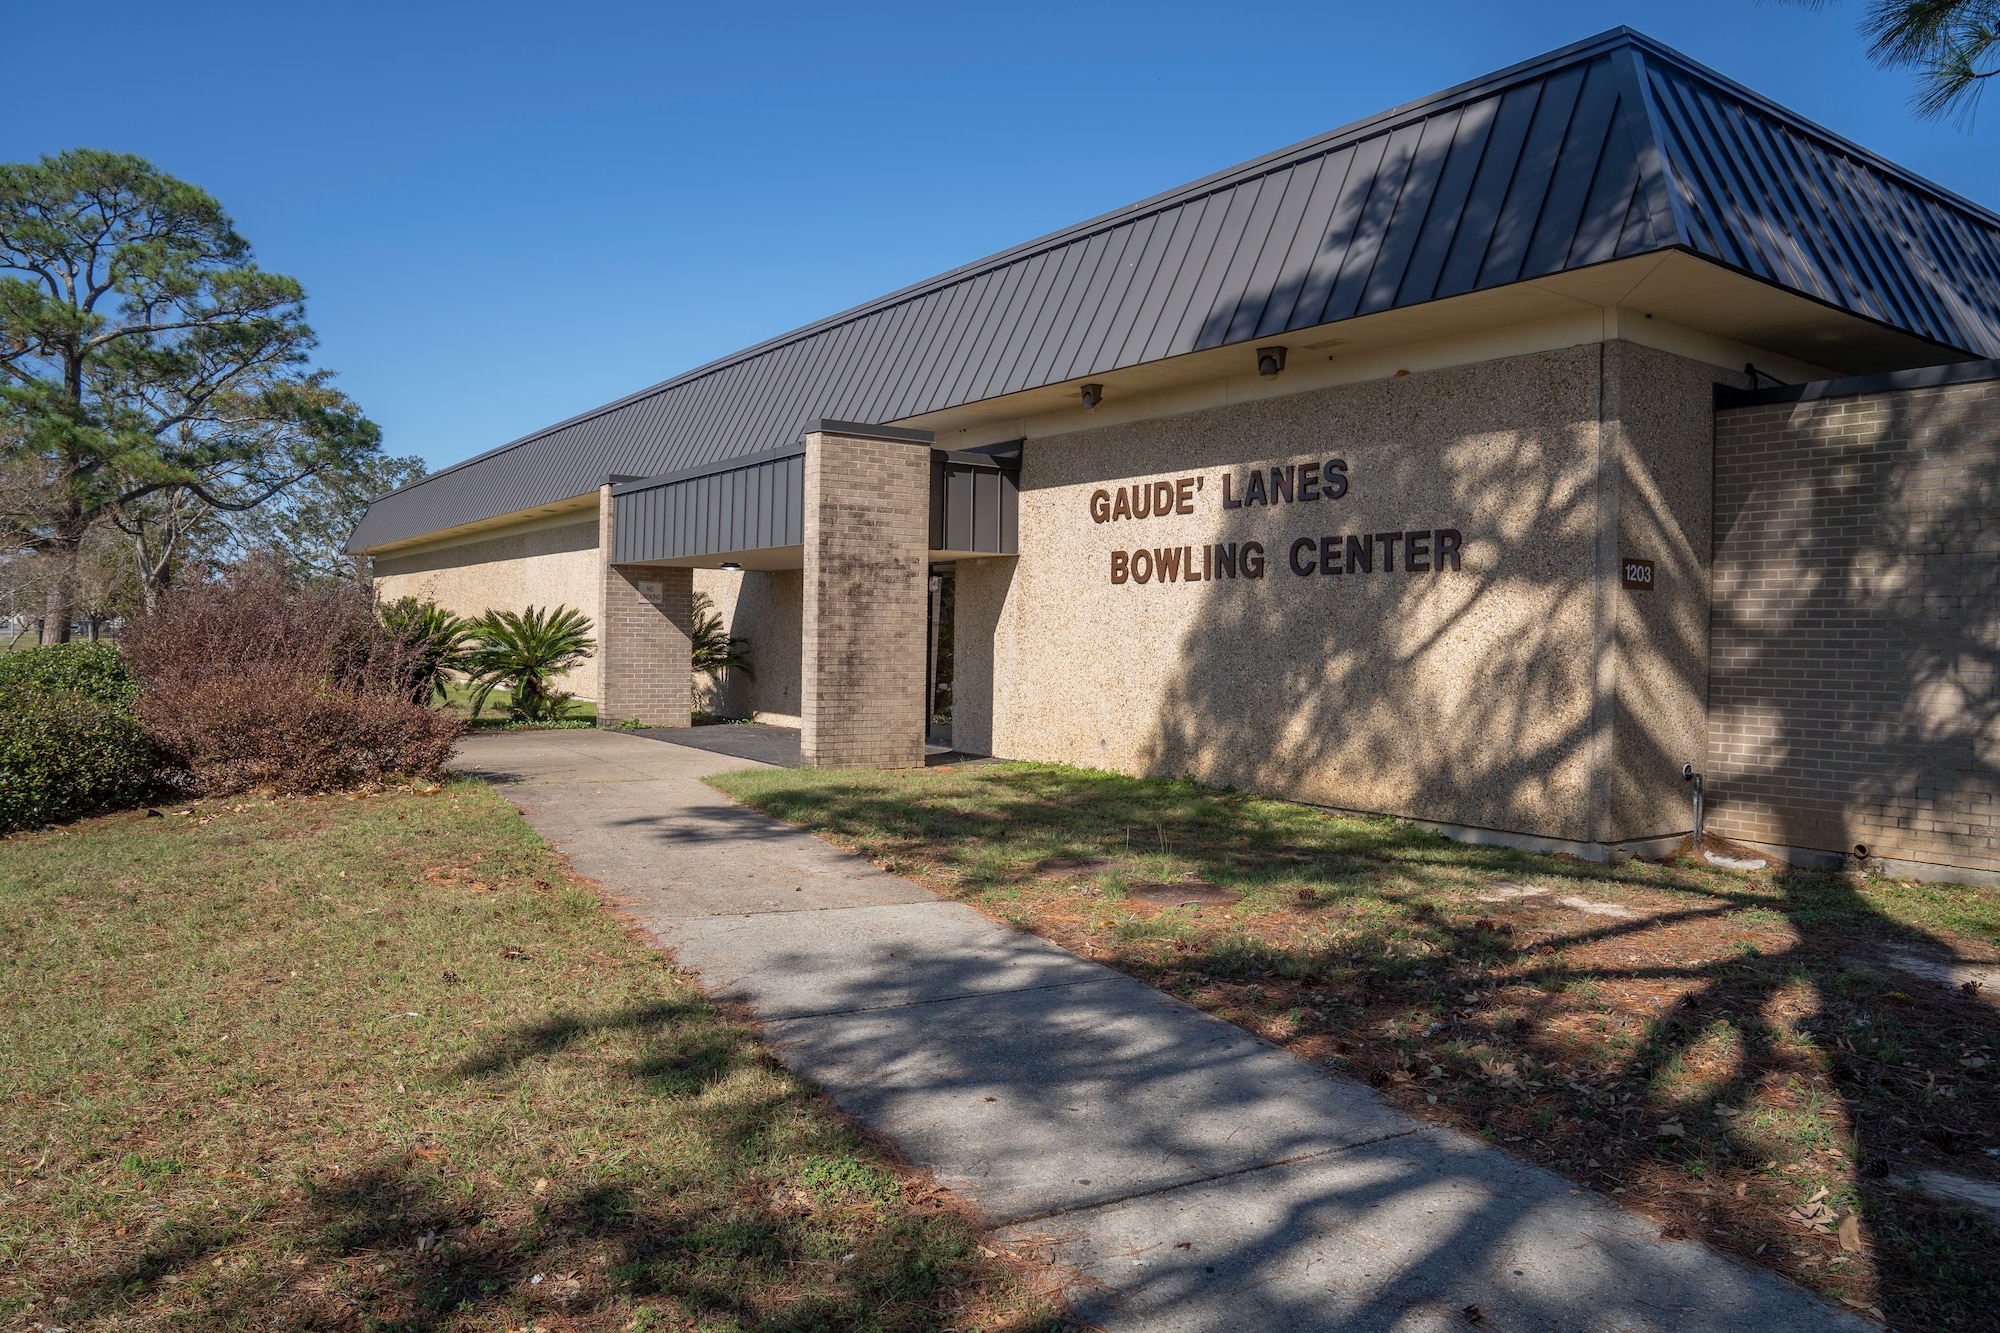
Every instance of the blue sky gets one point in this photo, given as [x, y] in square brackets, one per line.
[506, 214]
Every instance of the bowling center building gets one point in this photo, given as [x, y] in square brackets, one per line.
[1489, 463]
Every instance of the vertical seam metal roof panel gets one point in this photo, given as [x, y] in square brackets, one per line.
[1114, 311]
[1295, 265]
[1406, 224]
[1385, 194]
[1610, 147]
[1448, 200]
[1325, 270]
[1264, 289]
[1528, 187]
[1179, 292]
[1579, 161]
[1234, 292]
[1160, 287]
[992, 287]
[985, 370]
[997, 317]
[1102, 263]
[1498, 161]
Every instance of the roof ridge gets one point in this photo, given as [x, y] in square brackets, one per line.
[1648, 59]
[1265, 164]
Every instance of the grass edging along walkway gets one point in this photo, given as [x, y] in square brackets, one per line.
[1731, 1054]
[382, 1063]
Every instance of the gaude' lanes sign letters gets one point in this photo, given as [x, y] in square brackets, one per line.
[1429, 550]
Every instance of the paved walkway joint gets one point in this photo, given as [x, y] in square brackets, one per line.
[1196, 1176]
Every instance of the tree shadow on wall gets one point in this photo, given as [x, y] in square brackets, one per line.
[1869, 570]
[1459, 695]
[1465, 698]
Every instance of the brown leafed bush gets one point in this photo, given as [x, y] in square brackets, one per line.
[242, 731]
[254, 681]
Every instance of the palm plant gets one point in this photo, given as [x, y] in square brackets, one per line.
[524, 651]
[434, 643]
[715, 649]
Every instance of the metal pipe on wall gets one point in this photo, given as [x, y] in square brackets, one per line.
[1689, 775]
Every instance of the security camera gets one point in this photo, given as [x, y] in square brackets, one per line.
[1093, 394]
[1270, 361]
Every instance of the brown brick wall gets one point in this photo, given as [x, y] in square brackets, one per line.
[643, 648]
[867, 533]
[1856, 626]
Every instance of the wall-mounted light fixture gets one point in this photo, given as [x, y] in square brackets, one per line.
[731, 565]
[1093, 394]
[1270, 361]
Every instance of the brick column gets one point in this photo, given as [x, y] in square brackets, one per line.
[644, 637]
[867, 540]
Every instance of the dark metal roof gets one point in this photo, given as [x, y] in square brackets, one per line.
[743, 505]
[1612, 147]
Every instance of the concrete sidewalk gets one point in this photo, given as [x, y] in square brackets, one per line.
[1199, 1177]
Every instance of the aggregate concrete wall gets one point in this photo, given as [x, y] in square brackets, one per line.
[1856, 629]
[866, 604]
[766, 608]
[983, 639]
[541, 564]
[1658, 418]
[1492, 694]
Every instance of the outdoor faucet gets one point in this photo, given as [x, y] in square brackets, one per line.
[1689, 775]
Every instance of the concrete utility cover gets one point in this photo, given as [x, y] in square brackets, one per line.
[1071, 865]
[1192, 1176]
[1978, 1194]
[1190, 893]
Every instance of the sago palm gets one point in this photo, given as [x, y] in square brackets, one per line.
[524, 651]
[434, 643]
[715, 650]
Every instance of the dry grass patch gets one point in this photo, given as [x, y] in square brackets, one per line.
[383, 1063]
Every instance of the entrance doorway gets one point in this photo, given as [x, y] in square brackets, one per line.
[937, 727]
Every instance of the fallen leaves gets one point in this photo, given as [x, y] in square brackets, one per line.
[1813, 1213]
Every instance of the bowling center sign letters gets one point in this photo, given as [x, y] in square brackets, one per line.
[1411, 551]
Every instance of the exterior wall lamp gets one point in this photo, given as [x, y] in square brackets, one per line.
[1270, 361]
[1093, 394]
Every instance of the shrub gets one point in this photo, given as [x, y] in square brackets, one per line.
[437, 641]
[524, 651]
[245, 730]
[94, 669]
[65, 753]
[258, 623]
[256, 681]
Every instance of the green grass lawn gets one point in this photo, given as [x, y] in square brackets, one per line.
[382, 1063]
[458, 697]
[1729, 1053]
